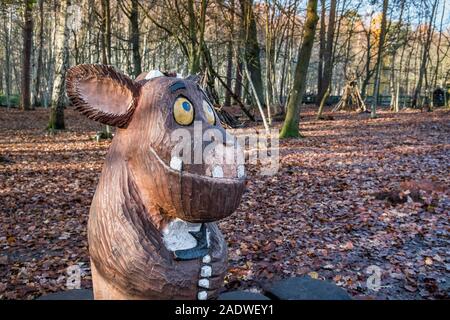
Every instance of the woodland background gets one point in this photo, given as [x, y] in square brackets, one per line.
[365, 188]
[398, 51]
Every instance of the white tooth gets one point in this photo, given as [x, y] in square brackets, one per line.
[154, 74]
[206, 271]
[208, 238]
[202, 295]
[176, 163]
[217, 172]
[206, 259]
[203, 283]
[241, 171]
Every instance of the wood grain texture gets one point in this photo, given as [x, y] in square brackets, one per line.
[109, 88]
[139, 193]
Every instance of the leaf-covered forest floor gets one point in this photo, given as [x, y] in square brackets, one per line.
[354, 194]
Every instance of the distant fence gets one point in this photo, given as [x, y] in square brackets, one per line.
[384, 101]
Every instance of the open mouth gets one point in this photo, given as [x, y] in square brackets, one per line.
[209, 195]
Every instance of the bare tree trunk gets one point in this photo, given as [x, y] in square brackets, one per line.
[227, 102]
[7, 21]
[230, 57]
[322, 104]
[238, 69]
[287, 60]
[328, 54]
[37, 84]
[368, 71]
[270, 48]
[105, 28]
[258, 102]
[425, 55]
[321, 50]
[106, 48]
[291, 122]
[238, 82]
[252, 51]
[373, 113]
[134, 25]
[438, 47]
[194, 51]
[61, 66]
[25, 103]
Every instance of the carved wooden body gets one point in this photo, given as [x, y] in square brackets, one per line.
[151, 228]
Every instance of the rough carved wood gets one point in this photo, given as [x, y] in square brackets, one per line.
[140, 197]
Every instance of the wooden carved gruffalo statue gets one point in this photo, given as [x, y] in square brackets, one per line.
[152, 231]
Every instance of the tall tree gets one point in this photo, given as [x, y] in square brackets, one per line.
[133, 17]
[291, 122]
[106, 32]
[321, 47]
[376, 90]
[7, 22]
[196, 35]
[251, 47]
[368, 52]
[61, 65]
[105, 28]
[230, 56]
[25, 100]
[134, 22]
[37, 84]
[425, 55]
[328, 53]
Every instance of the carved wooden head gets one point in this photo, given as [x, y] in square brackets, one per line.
[148, 112]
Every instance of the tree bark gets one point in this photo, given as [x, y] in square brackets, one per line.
[425, 55]
[227, 102]
[230, 57]
[25, 101]
[61, 66]
[7, 21]
[37, 84]
[438, 47]
[135, 35]
[196, 35]
[328, 54]
[106, 32]
[376, 90]
[291, 122]
[238, 82]
[321, 49]
[251, 49]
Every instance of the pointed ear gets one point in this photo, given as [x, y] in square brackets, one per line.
[102, 93]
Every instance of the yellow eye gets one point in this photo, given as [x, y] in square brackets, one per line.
[183, 111]
[209, 113]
